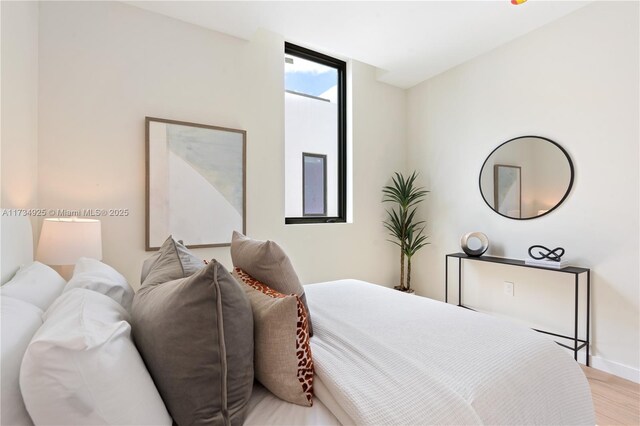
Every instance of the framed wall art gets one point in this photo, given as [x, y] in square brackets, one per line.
[195, 183]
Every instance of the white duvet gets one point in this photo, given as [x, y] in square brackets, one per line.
[384, 357]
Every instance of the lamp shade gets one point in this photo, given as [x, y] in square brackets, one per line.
[63, 241]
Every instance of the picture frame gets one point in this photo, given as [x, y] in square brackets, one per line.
[195, 183]
[507, 186]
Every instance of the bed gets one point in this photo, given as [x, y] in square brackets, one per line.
[384, 357]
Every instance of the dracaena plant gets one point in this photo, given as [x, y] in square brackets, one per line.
[406, 231]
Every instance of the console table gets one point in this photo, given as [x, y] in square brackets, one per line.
[578, 343]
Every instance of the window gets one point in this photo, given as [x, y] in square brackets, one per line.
[314, 184]
[315, 130]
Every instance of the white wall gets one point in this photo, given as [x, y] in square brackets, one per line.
[19, 111]
[574, 81]
[19, 132]
[105, 66]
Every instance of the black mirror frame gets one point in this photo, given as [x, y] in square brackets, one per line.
[564, 197]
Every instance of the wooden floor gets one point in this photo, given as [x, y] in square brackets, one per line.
[616, 400]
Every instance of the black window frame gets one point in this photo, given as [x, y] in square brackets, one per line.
[341, 67]
[323, 157]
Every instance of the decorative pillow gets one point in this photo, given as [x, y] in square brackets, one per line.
[268, 263]
[35, 283]
[92, 274]
[196, 337]
[283, 362]
[82, 367]
[20, 320]
[172, 261]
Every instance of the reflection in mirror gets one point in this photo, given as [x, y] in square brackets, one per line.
[526, 177]
[507, 190]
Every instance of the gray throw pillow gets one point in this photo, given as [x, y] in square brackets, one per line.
[195, 335]
[267, 262]
[176, 261]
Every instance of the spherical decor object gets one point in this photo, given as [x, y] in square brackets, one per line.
[474, 243]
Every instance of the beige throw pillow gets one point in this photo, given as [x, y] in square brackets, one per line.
[268, 263]
[283, 362]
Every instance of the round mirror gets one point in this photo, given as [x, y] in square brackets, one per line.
[526, 177]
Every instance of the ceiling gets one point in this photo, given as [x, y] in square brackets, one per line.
[408, 41]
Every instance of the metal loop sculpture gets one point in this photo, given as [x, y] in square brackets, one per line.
[554, 255]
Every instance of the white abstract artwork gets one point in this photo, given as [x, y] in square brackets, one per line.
[195, 183]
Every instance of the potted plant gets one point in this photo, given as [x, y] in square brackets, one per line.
[407, 232]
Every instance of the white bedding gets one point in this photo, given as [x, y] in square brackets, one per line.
[266, 409]
[383, 357]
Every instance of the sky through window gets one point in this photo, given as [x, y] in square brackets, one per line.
[308, 77]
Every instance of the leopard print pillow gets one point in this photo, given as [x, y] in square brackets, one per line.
[283, 361]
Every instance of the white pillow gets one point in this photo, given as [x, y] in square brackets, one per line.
[35, 283]
[20, 320]
[97, 276]
[82, 367]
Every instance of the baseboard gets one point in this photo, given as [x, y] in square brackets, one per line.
[616, 369]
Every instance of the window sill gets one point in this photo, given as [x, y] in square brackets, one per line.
[313, 220]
